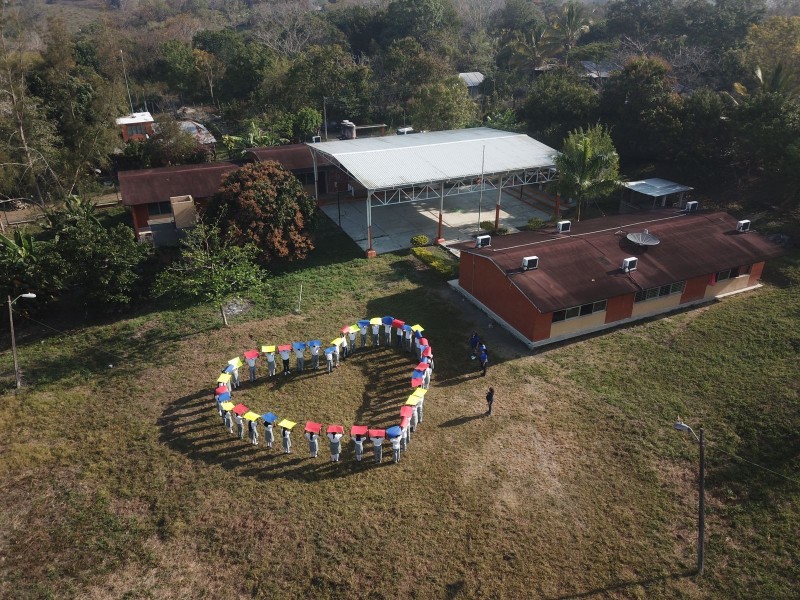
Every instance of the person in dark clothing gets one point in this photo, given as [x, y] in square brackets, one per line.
[490, 400]
[484, 358]
[473, 344]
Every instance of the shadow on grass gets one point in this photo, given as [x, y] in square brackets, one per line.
[622, 585]
[462, 420]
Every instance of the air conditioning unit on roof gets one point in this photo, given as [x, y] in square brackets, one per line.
[692, 206]
[563, 226]
[743, 226]
[629, 264]
[530, 262]
[482, 241]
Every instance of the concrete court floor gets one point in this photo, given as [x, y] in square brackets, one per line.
[394, 225]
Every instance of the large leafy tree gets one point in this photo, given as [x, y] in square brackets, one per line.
[443, 105]
[530, 49]
[212, 269]
[588, 167]
[570, 24]
[265, 205]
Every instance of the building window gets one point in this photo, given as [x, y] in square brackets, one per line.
[136, 130]
[305, 178]
[579, 311]
[733, 273]
[658, 292]
[157, 209]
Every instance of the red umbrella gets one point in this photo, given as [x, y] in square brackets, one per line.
[421, 366]
[221, 390]
[398, 323]
[335, 429]
[284, 347]
[406, 411]
[423, 342]
[358, 430]
[240, 409]
[404, 421]
[377, 433]
[427, 352]
[416, 382]
[251, 354]
[313, 427]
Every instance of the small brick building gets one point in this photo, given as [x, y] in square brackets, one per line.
[579, 282]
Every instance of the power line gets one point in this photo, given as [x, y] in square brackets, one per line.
[69, 335]
[750, 462]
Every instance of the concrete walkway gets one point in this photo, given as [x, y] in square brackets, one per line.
[393, 226]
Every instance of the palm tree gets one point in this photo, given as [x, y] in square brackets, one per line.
[570, 25]
[531, 49]
[588, 167]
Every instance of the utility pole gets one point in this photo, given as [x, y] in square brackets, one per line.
[124, 72]
[702, 509]
[13, 344]
[325, 116]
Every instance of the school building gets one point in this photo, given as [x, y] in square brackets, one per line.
[578, 278]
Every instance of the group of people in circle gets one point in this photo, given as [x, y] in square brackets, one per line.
[378, 331]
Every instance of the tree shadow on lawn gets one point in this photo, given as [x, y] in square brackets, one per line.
[622, 585]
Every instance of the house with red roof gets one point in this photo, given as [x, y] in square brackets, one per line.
[578, 278]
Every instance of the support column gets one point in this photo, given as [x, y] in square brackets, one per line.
[497, 206]
[370, 251]
[439, 238]
[316, 175]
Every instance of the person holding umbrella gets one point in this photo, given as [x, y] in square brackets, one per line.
[299, 352]
[394, 433]
[387, 331]
[335, 433]
[286, 434]
[362, 327]
[233, 365]
[474, 339]
[375, 323]
[269, 353]
[250, 356]
[312, 435]
[227, 419]
[251, 424]
[239, 426]
[352, 335]
[314, 345]
[285, 352]
[358, 433]
[329, 357]
[376, 437]
[269, 435]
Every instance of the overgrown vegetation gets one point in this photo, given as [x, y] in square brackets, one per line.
[438, 260]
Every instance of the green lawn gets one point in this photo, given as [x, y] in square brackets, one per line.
[121, 482]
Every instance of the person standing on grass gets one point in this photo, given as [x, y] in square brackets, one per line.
[336, 355]
[362, 328]
[235, 376]
[387, 334]
[484, 358]
[228, 421]
[251, 363]
[407, 334]
[404, 436]
[474, 339]
[271, 363]
[418, 409]
[352, 335]
[313, 443]
[426, 377]
[299, 352]
[287, 440]
[269, 435]
[489, 401]
[377, 447]
[285, 354]
[315, 356]
[343, 350]
[329, 358]
[253, 432]
[395, 441]
[358, 440]
[376, 338]
[240, 426]
[336, 445]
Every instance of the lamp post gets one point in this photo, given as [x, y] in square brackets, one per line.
[13, 339]
[701, 520]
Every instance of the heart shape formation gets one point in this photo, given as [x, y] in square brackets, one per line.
[395, 333]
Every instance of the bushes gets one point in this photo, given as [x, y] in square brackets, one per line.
[534, 224]
[488, 227]
[437, 261]
[419, 240]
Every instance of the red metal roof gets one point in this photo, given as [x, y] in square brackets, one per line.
[295, 157]
[144, 186]
[585, 265]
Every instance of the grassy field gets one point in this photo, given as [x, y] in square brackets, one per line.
[120, 482]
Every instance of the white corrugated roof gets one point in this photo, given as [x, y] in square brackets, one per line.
[656, 187]
[405, 160]
[472, 79]
[140, 117]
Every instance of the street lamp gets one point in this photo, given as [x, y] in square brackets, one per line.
[681, 426]
[13, 340]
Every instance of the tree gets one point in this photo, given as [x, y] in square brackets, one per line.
[559, 102]
[570, 24]
[530, 49]
[774, 39]
[442, 105]
[421, 19]
[265, 205]
[179, 68]
[29, 265]
[212, 269]
[588, 167]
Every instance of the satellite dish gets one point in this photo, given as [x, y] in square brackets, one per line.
[644, 238]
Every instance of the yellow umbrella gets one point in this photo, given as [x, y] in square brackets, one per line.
[417, 327]
[227, 405]
[224, 378]
[375, 321]
[354, 328]
[251, 416]
[287, 424]
[337, 342]
[413, 400]
[236, 362]
[419, 392]
[268, 348]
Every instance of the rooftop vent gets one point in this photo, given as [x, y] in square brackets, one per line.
[530, 262]
[629, 264]
[563, 226]
[316, 139]
[692, 206]
[482, 241]
[743, 226]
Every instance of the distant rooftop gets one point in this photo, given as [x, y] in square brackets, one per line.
[602, 69]
[472, 79]
[133, 118]
[656, 187]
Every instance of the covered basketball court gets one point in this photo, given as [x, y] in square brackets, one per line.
[443, 175]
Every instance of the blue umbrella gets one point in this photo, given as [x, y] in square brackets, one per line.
[387, 320]
[363, 323]
[417, 374]
[270, 417]
[224, 397]
[299, 345]
[330, 350]
[418, 335]
[314, 343]
[406, 327]
[394, 431]
[228, 369]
